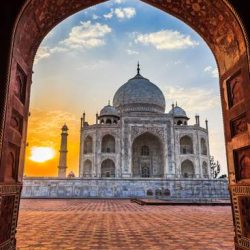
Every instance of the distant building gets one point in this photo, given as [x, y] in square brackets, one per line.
[134, 137]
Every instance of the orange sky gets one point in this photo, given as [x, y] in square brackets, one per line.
[44, 130]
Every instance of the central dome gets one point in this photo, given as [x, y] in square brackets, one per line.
[139, 95]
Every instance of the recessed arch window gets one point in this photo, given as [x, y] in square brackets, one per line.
[186, 145]
[203, 147]
[179, 122]
[187, 169]
[108, 168]
[108, 121]
[88, 145]
[87, 169]
[205, 170]
[108, 144]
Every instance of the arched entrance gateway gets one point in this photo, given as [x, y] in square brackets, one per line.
[24, 26]
[147, 156]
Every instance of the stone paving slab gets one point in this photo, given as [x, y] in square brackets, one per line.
[120, 224]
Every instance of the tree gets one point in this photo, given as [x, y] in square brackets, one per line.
[215, 167]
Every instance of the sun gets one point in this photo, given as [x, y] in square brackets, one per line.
[41, 154]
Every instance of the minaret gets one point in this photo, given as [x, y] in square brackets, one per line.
[63, 153]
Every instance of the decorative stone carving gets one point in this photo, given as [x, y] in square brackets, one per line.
[219, 29]
[245, 214]
[234, 89]
[6, 205]
[9, 203]
[138, 130]
[16, 121]
[242, 163]
[241, 206]
[20, 84]
[239, 125]
[11, 168]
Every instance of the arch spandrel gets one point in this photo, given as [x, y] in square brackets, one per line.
[136, 131]
[214, 20]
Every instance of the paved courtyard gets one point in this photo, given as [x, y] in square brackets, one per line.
[120, 224]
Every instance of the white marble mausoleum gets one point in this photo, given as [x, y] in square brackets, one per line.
[136, 138]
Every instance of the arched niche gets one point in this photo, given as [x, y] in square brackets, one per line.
[108, 144]
[108, 168]
[147, 156]
[203, 147]
[88, 145]
[187, 169]
[205, 173]
[87, 168]
[186, 145]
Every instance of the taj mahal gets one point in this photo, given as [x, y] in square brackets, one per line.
[135, 137]
[135, 149]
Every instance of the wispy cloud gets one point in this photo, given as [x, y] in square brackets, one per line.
[87, 35]
[193, 99]
[45, 52]
[121, 13]
[120, 1]
[95, 17]
[213, 71]
[166, 40]
[132, 52]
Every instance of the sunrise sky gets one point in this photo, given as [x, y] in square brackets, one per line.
[86, 58]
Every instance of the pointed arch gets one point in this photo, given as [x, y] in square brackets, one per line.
[147, 156]
[108, 144]
[186, 145]
[108, 168]
[88, 145]
[87, 168]
[205, 173]
[187, 169]
[203, 147]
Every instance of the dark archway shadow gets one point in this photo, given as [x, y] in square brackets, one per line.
[215, 20]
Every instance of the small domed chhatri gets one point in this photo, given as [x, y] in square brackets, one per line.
[178, 112]
[179, 115]
[140, 95]
[109, 110]
[136, 138]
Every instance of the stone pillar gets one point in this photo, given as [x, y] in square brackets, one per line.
[96, 118]
[63, 153]
[197, 120]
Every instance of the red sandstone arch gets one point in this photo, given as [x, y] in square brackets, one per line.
[215, 20]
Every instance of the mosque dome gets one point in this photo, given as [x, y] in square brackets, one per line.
[109, 111]
[178, 112]
[140, 95]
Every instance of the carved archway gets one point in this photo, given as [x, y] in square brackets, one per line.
[186, 145]
[108, 144]
[187, 169]
[87, 168]
[147, 156]
[218, 24]
[108, 168]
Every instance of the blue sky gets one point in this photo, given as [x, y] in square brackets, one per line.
[88, 56]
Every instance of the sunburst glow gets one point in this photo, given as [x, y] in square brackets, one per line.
[41, 154]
